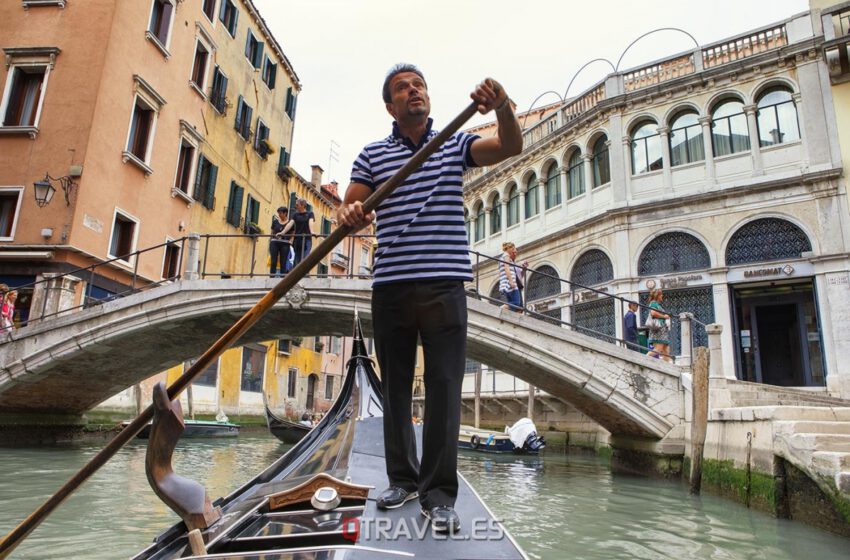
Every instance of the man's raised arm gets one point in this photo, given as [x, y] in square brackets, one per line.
[490, 95]
[351, 212]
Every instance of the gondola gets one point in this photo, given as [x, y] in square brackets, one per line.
[317, 501]
[284, 430]
[198, 429]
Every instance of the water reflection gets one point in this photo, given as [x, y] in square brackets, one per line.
[556, 507]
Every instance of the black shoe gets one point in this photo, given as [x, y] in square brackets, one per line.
[394, 497]
[444, 519]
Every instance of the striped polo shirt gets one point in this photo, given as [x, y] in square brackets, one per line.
[421, 231]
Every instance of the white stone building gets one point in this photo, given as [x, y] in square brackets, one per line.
[714, 174]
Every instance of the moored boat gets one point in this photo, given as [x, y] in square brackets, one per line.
[283, 429]
[198, 429]
[318, 500]
[520, 439]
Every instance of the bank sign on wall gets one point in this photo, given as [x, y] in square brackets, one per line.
[771, 271]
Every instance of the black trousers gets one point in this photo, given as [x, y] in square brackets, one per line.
[435, 313]
[279, 251]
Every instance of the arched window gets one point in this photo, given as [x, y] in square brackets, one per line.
[646, 148]
[496, 216]
[532, 200]
[601, 164]
[592, 268]
[765, 240]
[686, 139]
[479, 222]
[675, 251]
[729, 131]
[513, 206]
[777, 117]
[575, 175]
[553, 186]
[542, 284]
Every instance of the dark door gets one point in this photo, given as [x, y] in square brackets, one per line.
[311, 390]
[779, 348]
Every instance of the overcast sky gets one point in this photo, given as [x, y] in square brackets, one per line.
[341, 50]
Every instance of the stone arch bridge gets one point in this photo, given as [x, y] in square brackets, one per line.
[67, 365]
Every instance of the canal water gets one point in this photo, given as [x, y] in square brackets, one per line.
[557, 507]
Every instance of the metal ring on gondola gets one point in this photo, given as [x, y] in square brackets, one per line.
[474, 441]
[325, 499]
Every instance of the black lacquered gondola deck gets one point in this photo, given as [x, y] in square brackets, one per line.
[404, 529]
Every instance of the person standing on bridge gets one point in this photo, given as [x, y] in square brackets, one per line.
[508, 278]
[280, 242]
[304, 221]
[421, 263]
[659, 327]
[7, 311]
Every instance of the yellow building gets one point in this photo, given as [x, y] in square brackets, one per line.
[241, 173]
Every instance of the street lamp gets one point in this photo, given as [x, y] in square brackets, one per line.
[43, 192]
[44, 189]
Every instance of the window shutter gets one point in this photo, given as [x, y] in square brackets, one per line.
[294, 106]
[288, 107]
[238, 125]
[235, 19]
[272, 76]
[281, 162]
[258, 55]
[246, 124]
[223, 10]
[209, 199]
[255, 212]
[292, 199]
[248, 40]
[197, 194]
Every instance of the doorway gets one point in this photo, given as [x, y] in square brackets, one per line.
[777, 334]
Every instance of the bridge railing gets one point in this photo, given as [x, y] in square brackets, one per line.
[57, 295]
[679, 321]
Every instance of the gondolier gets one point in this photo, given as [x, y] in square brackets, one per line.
[421, 263]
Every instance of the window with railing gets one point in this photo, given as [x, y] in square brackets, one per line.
[730, 133]
[575, 175]
[252, 215]
[674, 251]
[777, 117]
[553, 186]
[513, 206]
[496, 216]
[261, 139]
[532, 200]
[646, 148]
[686, 139]
[592, 268]
[601, 163]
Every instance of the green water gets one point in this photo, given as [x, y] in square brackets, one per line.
[556, 507]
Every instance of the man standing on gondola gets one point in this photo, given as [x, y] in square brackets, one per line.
[421, 263]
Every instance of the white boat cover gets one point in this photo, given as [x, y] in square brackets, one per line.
[519, 431]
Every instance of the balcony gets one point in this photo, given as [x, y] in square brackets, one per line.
[339, 259]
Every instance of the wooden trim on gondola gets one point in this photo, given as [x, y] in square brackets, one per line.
[304, 491]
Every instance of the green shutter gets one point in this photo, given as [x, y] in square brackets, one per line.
[294, 107]
[234, 210]
[238, 124]
[232, 28]
[258, 55]
[272, 76]
[248, 40]
[326, 226]
[209, 196]
[292, 199]
[197, 194]
[288, 107]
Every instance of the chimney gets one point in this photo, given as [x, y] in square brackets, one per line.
[317, 176]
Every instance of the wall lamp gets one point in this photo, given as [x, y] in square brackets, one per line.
[44, 189]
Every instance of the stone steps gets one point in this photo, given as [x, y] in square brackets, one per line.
[782, 413]
[835, 462]
[745, 393]
[821, 442]
[791, 428]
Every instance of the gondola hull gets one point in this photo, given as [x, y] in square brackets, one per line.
[276, 515]
[489, 442]
[284, 430]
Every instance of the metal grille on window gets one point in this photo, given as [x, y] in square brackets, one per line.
[596, 319]
[592, 268]
[544, 284]
[766, 239]
[699, 301]
[673, 252]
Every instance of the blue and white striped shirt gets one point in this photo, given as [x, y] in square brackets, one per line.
[421, 231]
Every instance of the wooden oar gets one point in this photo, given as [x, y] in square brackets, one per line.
[11, 540]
